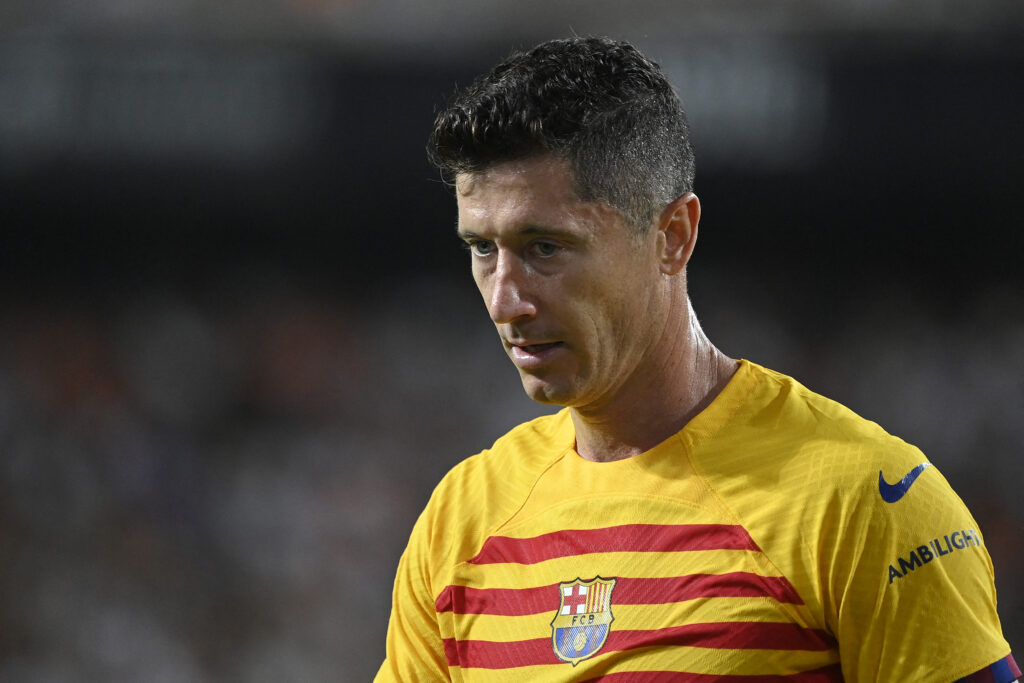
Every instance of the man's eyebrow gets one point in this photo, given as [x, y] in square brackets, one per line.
[464, 234]
[528, 231]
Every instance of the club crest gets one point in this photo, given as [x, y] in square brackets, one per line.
[584, 617]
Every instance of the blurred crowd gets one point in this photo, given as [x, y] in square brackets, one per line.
[216, 485]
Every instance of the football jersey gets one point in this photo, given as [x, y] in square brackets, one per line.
[778, 536]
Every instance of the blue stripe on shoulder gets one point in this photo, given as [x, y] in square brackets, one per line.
[1003, 671]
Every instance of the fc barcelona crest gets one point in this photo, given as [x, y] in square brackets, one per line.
[584, 617]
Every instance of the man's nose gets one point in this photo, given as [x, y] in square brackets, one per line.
[509, 299]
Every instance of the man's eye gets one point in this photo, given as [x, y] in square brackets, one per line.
[545, 248]
[480, 248]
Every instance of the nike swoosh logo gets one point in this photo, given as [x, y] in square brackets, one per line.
[893, 492]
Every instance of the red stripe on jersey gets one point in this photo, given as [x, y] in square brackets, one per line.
[489, 654]
[515, 602]
[634, 538]
[828, 674]
[742, 635]
[506, 602]
[485, 654]
[693, 586]
[451, 651]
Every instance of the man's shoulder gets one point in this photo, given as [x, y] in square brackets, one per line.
[813, 421]
[790, 435]
[518, 454]
[793, 454]
[499, 477]
[547, 434]
[480, 493]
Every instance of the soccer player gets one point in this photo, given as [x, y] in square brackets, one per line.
[686, 516]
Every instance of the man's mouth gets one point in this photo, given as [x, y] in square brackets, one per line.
[527, 356]
[537, 348]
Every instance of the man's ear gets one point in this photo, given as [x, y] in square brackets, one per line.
[678, 226]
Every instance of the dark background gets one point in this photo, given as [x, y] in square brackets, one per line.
[239, 343]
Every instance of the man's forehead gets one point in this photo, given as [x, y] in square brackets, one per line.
[528, 196]
[546, 171]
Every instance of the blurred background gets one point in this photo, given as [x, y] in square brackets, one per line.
[239, 343]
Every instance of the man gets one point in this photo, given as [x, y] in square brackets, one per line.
[686, 517]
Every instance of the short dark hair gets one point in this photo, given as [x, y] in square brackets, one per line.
[596, 102]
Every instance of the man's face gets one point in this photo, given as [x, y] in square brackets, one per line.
[573, 294]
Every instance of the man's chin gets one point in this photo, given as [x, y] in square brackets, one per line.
[546, 391]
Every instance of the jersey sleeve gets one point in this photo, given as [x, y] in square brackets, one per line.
[415, 649]
[911, 593]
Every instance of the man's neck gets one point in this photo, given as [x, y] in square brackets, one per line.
[660, 401]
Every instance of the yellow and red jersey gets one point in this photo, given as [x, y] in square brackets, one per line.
[777, 537]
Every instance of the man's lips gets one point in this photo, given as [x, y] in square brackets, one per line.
[536, 348]
[530, 355]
